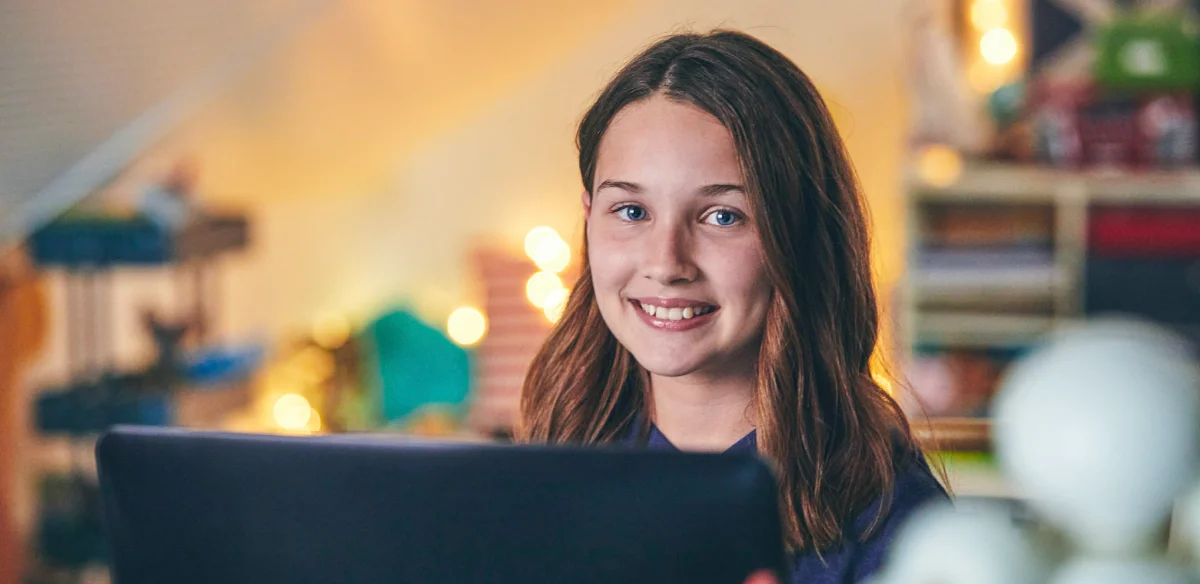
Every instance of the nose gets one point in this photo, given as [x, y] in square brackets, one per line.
[668, 255]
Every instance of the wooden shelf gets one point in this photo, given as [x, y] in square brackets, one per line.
[953, 286]
[983, 330]
[990, 182]
[954, 434]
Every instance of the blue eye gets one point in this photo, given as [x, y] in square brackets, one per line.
[723, 218]
[631, 213]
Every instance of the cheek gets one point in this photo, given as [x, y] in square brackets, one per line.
[744, 279]
[610, 267]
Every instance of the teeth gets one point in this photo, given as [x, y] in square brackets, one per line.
[675, 313]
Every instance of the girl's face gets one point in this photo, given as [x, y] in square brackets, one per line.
[676, 263]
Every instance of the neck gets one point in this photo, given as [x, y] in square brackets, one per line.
[702, 415]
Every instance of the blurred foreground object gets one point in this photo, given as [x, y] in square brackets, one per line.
[193, 379]
[947, 546]
[22, 333]
[1100, 432]
[423, 378]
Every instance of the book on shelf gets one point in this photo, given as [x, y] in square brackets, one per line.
[947, 225]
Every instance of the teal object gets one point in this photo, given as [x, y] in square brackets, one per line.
[1006, 104]
[415, 366]
[1148, 53]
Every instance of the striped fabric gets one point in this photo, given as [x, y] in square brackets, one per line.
[516, 329]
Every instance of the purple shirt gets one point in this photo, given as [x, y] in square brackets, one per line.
[856, 560]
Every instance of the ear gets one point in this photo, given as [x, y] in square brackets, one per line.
[587, 203]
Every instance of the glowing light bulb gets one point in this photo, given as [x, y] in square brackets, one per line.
[939, 166]
[331, 331]
[884, 383]
[988, 14]
[466, 326]
[556, 303]
[998, 46]
[552, 254]
[292, 412]
[541, 286]
[314, 421]
[536, 237]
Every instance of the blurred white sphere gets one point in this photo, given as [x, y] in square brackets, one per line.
[1121, 571]
[1189, 521]
[1100, 429]
[980, 546]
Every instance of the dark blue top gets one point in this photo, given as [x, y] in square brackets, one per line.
[855, 561]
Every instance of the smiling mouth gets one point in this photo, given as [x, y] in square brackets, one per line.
[674, 313]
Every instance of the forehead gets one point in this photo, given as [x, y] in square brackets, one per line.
[663, 143]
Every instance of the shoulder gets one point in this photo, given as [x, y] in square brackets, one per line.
[915, 487]
[870, 535]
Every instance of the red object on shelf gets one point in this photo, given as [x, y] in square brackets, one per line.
[1080, 126]
[1142, 231]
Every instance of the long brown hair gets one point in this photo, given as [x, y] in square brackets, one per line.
[829, 429]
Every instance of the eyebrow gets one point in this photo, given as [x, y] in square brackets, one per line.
[636, 189]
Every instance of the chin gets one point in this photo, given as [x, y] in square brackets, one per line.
[668, 365]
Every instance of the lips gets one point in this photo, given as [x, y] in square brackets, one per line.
[674, 314]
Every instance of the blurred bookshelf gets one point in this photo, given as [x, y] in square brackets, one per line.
[193, 379]
[1005, 254]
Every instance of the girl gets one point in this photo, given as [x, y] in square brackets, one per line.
[726, 300]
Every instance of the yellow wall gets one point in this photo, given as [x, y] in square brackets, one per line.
[357, 205]
[513, 166]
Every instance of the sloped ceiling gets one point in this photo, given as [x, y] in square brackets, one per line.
[336, 113]
[73, 73]
[329, 113]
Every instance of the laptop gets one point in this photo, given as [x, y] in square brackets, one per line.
[186, 507]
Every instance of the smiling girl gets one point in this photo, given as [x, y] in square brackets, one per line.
[726, 301]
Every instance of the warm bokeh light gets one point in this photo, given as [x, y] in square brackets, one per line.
[314, 421]
[292, 412]
[552, 254]
[884, 383]
[998, 46]
[939, 165]
[312, 364]
[536, 237]
[466, 326]
[985, 77]
[556, 302]
[541, 287]
[988, 14]
[331, 330]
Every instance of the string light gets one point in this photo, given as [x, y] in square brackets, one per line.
[547, 249]
[331, 331]
[556, 302]
[292, 412]
[536, 237]
[998, 46]
[314, 422]
[466, 326]
[939, 166]
[541, 287]
[884, 383]
[552, 255]
[988, 14]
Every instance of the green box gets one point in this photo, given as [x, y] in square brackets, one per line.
[1148, 53]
